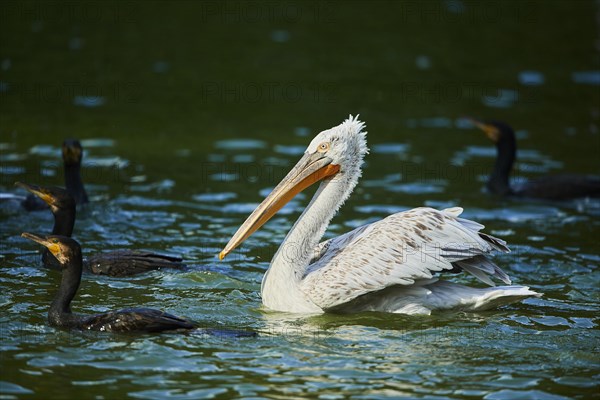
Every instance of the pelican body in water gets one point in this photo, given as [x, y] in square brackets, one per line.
[553, 187]
[390, 265]
[113, 263]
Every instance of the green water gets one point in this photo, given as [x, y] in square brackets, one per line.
[190, 112]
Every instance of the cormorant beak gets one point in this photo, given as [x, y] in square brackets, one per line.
[312, 168]
[37, 190]
[490, 130]
[44, 241]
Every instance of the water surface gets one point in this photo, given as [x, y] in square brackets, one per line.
[190, 113]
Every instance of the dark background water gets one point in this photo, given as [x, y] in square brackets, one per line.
[190, 111]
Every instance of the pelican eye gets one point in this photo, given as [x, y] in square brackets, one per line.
[323, 147]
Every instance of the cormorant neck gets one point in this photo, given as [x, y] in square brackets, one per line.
[74, 184]
[64, 221]
[506, 149]
[60, 310]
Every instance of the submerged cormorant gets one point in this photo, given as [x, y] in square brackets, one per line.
[72, 153]
[115, 263]
[555, 187]
[68, 253]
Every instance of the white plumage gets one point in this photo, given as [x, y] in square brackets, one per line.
[391, 265]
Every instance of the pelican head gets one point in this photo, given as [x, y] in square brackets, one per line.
[334, 155]
[345, 145]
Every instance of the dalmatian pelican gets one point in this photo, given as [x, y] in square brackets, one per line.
[392, 265]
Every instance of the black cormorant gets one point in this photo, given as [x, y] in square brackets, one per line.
[68, 253]
[115, 263]
[556, 187]
[72, 153]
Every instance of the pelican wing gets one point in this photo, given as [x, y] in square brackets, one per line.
[334, 245]
[399, 250]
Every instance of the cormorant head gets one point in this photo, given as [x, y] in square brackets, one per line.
[503, 137]
[72, 152]
[63, 248]
[57, 198]
[497, 131]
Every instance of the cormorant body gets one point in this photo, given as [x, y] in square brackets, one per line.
[130, 262]
[553, 187]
